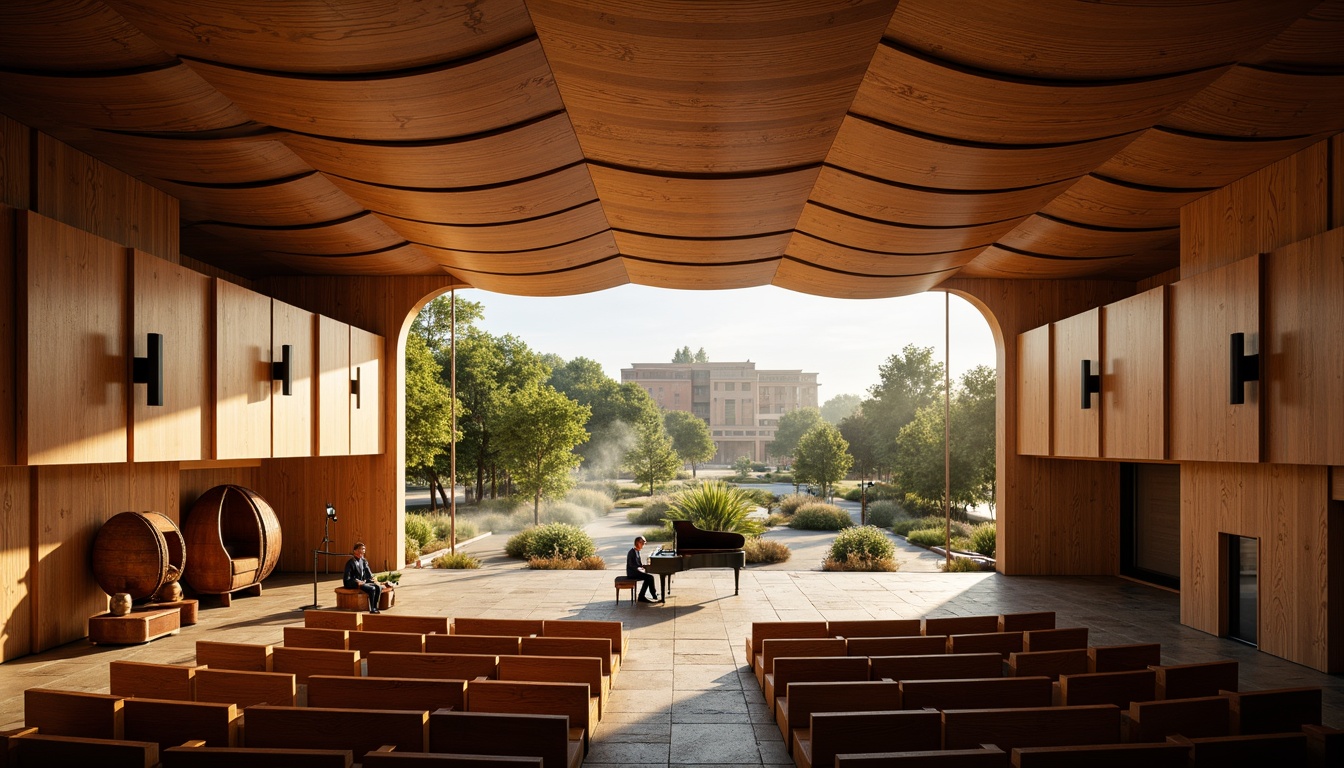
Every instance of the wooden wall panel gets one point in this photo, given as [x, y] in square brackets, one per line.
[333, 388]
[292, 416]
[15, 539]
[9, 322]
[15, 140]
[70, 504]
[1033, 392]
[1054, 517]
[300, 489]
[175, 302]
[72, 399]
[366, 415]
[1075, 431]
[1304, 340]
[192, 483]
[1134, 377]
[1337, 483]
[73, 188]
[1205, 310]
[242, 373]
[1271, 208]
[1288, 509]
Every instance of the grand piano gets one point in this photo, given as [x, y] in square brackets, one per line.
[695, 548]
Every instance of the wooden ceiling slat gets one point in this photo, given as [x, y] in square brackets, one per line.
[586, 279]
[236, 160]
[72, 37]
[1071, 40]
[869, 235]
[360, 235]
[823, 254]
[402, 260]
[928, 208]
[1048, 237]
[171, 99]
[306, 200]
[1311, 42]
[701, 277]
[998, 263]
[1169, 160]
[485, 94]
[806, 278]
[702, 207]
[1255, 102]
[542, 260]
[321, 36]
[506, 156]
[542, 196]
[533, 234]
[1101, 203]
[924, 96]
[701, 252]
[874, 150]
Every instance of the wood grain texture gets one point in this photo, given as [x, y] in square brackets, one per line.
[366, 412]
[15, 138]
[307, 199]
[544, 232]
[701, 251]
[730, 207]
[804, 277]
[1134, 377]
[1304, 344]
[1045, 236]
[292, 415]
[1269, 209]
[1254, 102]
[828, 255]
[194, 159]
[1205, 311]
[1288, 509]
[578, 253]
[1033, 391]
[15, 539]
[1075, 431]
[176, 302]
[1097, 202]
[582, 279]
[688, 277]
[70, 504]
[9, 323]
[995, 262]
[242, 373]
[333, 387]
[1337, 483]
[874, 199]
[842, 230]
[361, 234]
[72, 338]
[1163, 158]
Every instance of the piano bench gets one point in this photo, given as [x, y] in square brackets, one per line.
[625, 582]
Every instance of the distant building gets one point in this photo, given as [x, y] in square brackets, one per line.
[742, 405]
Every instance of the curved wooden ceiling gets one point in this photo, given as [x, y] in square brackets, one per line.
[854, 148]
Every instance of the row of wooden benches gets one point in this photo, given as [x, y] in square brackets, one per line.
[949, 625]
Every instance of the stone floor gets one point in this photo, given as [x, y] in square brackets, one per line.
[684, 696]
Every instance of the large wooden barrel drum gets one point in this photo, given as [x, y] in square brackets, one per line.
[138, 553]
[234, 538]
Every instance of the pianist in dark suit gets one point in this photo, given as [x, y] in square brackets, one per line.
[634, 569]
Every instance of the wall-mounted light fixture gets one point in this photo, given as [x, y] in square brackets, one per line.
[354, 387]
[1091, 384]
[282, 371]
[149, 369]
[1244, 369]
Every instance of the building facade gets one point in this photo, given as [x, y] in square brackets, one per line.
[741, 404]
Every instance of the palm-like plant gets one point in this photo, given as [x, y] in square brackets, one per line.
[716, 506]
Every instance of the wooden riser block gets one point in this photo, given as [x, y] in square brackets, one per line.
[135, 627]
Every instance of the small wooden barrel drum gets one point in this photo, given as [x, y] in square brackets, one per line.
[138, 553]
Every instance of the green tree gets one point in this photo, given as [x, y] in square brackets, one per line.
[683, 355]
[792, 426]
[919, 470]
[701, 356]
[615, 407]
[434, 321]
[859, 432]
[840, 407]
[538, 430]
[428, 408]
[652, 459]
[906, 383]
[822, 457]
[690, 437]
[742, 466]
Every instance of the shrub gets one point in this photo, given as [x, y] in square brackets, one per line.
[853, 494]
[442, 527]
[412, 549]
[883, 513]
[716, 506]
[819, 516]
[790, 504]
[660, 533]
[762, 498]
[927, 537]
[654, 511]
[906, 526]
[419, 528]
[776, 519]
[984, 539]
[961, 544]
[591, 498]
[589, 563]
[856, 563]
[496, 522]
[520, 543]
[559, 540]
[503, 506]
[766, 551]
[459, 560]
[866, 542]
[782, 477]
[566, 512]
[960, 565]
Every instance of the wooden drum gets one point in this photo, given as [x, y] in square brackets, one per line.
[138, 553]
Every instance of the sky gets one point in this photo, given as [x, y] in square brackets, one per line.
[842, 340]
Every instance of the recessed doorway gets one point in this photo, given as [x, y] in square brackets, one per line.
[1243, 582]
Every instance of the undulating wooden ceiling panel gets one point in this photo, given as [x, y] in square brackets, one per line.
[854, 148]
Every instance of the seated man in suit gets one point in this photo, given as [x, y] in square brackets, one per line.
[634, 569]
[359, 576]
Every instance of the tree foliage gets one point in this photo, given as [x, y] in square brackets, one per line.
[906, 383]
[840, 407]
[684, 355]
[919, 469]
[434, 321]
[615, 407]
[792, 426]
[690, 437]
[652, 459]
[864, 444]
[716, 506]
[538, 430]
[822, 457]
[428, 407]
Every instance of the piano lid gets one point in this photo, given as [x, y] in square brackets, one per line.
[690, 540]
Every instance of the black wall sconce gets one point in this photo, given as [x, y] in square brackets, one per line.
[1091, 384]
[282, 371]
[1245, 369]
[149, 369]
[354, 387]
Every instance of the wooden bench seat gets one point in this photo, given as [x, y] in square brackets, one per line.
[1189, 681]
[558, 669]
[1051, 664]
[1270, 749]
[797, 669]
[391, 622]
[961, 625]
[386, 692]
[243, 657]
[159, 681]
[481, 626]
[168, 722]
[795, 710]
[490, 733]
[394, 759]
[440, 666]
[1003, 643]
[1026, 621]
[831, 733]
[1103, 756]
[73, 713]
[774, 648]
[306, 662]
[494, 645]
[996, 692]
[1118, 688]
[612, 630]
[1031, 726]
[939, 666]
[402, 642]
[597, 647]
[525, 697]
[195, 755]
[988, 756]
[1282, 710]
[1123, 658]
[358, 730]
[317, 637]
[246, 689]
[1063, 639]
[333, 619]
[875, 628]
[1193, 718]
[768, 630]
[32, 749]
[918, 645]
[1325, 746]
